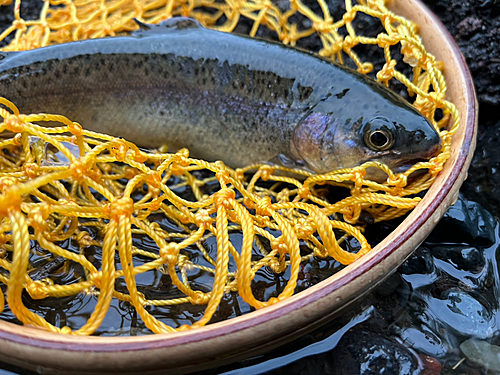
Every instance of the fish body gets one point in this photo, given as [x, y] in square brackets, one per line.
[223, 96]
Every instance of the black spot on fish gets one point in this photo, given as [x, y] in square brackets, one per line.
[342, 94]
[138, 64]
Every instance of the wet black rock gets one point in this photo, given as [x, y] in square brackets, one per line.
[482, 354]
[423, 340]
[465, 222]
[475, 26]
[420, 262]
[390, 285]
[483, 184]
[461, 313]
[362, 352]
[462, 257]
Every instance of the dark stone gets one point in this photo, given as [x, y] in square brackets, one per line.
[420, 262]
[461, 313]
[465, 222]
[423, 341]
[462, 257]
[390, 285]
[365, 353]
[482, 354]
[475, 26]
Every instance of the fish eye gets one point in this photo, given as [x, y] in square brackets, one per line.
[379, 135]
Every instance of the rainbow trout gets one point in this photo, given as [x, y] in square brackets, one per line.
[223, 96]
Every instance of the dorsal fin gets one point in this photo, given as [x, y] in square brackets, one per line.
[167, 26]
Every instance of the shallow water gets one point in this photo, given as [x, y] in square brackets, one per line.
[444, 294]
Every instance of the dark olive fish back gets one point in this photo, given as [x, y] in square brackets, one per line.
[223, 96]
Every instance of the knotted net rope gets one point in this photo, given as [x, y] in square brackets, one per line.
[65, 184]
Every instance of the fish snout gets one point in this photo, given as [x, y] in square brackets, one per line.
[428, 142]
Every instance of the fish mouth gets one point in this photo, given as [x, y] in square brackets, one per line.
[425, 156]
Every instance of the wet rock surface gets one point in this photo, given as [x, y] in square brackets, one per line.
[401, 327]
[482, 354]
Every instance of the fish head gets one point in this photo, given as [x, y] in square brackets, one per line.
[338, 133]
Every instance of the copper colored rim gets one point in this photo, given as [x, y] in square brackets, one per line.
[414, 229]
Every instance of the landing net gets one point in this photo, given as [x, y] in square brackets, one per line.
[66, 185]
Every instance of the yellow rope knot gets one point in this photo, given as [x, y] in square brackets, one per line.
[7, 182]
[14, 124]
[387, 72]
[140, 156]
[94, 174]
[304, 192]
[78, 170]
[279, 265]
[384, 40]
[19, 24]
[303, 228]
[130, 172]
[357, 176]
[119, 149]
[170, 253]
[266, 172]
[203, 219]
[182, 157]
[199, 298]
[323, 26]
[154, 180]
[263, 205]
[96, 278]
[177, 169]
[123, 207]
[250, 204]
[75, 129]
[350, 42]
[38, 216]
[31, 170]
[224, 197]
[348, 17]
[37, 290]
[84, 239]
[10, 201]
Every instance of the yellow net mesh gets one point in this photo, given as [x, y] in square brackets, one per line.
[56, 183]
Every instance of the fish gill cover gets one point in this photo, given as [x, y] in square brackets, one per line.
[88, 214]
